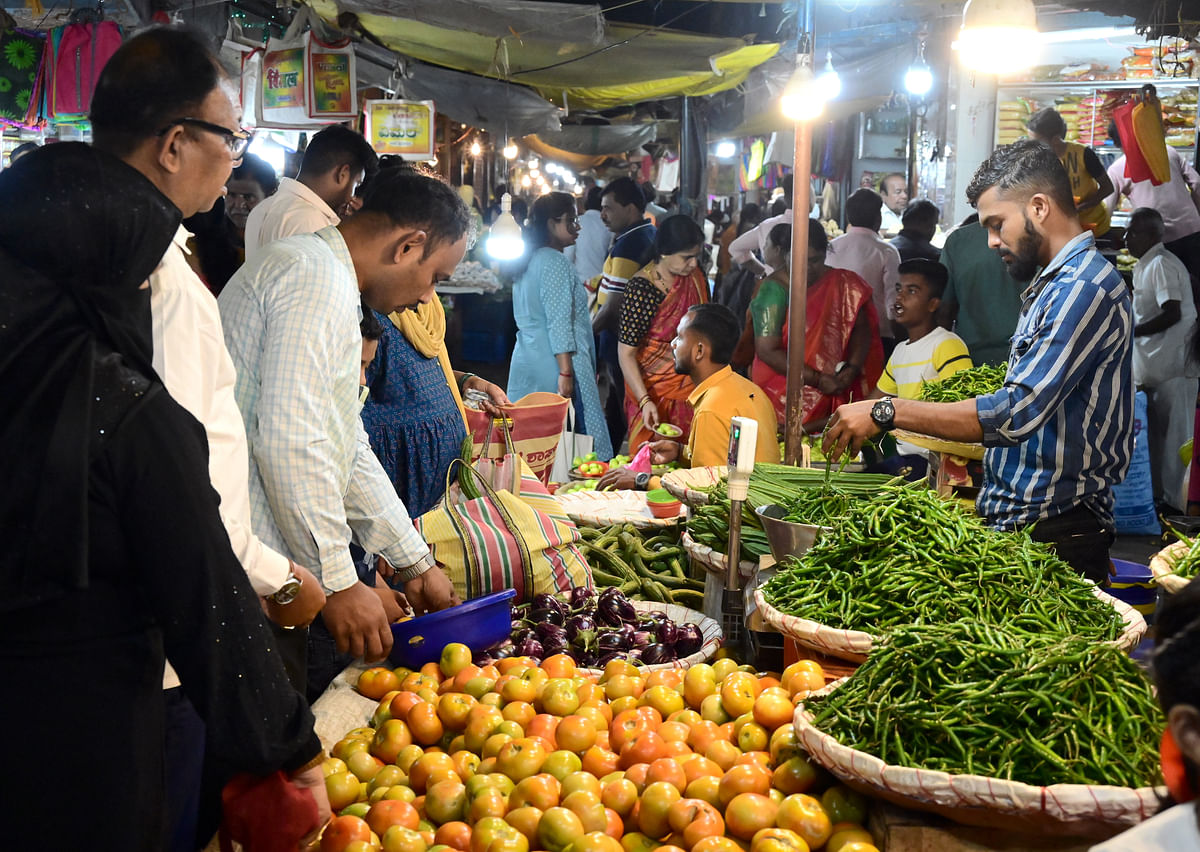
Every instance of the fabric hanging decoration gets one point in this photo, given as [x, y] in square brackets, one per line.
[21, 57]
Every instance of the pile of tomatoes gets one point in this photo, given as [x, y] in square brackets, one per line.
[518, 757]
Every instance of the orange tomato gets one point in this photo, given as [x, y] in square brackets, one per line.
[596, 841]
[454, 709]
[655, 804]
[645, 747]
[544, 725]
[388, 812]
[424, 723]
[744, 778]
[600, 762]
[723, 753]
[748, 813]
[845, 836]
[490, 802]
[466, 763]
[779, 840]
[376, 682]
[700, 767]
[341, 831]
[521, 758]
[558, 829]
[581, 781]
[620, 795]
[717, 844]
[637, 776]
[525, 819]
[738, 693]
[446, 801]
[430, 767]
[695, 819]
[773, 711]
[390, 739]
[456, 835]
[401, 703]
[674, 731]
[707, 788]
[668, 770]
[804, 815]
[540, 791]
[588, 807]
[615, 826]
[576, 733]
[794, 775]
[559, 665]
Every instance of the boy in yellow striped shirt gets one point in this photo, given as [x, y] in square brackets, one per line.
[931, 352]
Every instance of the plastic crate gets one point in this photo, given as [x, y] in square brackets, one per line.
[478, 624]
[1134, 584]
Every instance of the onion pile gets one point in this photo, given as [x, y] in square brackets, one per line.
[593, 629]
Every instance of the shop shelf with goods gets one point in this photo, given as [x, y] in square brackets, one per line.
[882, 145]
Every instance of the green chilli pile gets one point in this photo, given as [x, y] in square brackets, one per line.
[778, 484]
[969, 698]
[1187, 565]
[965, 384]
[902, 555]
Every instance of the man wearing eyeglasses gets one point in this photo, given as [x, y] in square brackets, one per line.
[164, 107]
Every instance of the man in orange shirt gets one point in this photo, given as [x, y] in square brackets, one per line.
[703, 345]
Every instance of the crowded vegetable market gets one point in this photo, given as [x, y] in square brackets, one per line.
[428, 426]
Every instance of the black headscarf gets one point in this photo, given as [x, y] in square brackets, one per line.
[80, 232]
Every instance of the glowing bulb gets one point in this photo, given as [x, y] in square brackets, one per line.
[526, 181]
[802, 99]
[535, 174]
[829, 83]
[919, 80]
[510, 151]
[504, 241]
[725, 150]
[998, 36]
[476, 148]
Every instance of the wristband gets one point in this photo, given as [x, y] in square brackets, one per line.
[463, 381]
[567, 375]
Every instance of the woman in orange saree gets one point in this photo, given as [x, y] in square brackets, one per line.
[843, 355]
[655, 300]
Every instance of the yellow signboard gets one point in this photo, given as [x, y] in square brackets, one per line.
[401, 127]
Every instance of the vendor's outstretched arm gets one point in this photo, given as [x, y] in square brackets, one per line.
[851, 425]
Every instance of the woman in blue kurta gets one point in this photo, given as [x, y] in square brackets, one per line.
[555, 352]
[413, 415]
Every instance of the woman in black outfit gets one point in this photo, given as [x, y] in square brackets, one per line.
[113, 554]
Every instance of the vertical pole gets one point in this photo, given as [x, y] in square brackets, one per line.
[685, 156]
[797, 300]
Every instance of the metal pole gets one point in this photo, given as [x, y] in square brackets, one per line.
[797, 307]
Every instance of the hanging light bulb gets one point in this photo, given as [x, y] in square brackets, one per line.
[998, 36]
[829, 81]
[725, 150]
[476, 148]
[526, 182]
[802, 98]
[504, 241]
[918, 80]
[510, 151]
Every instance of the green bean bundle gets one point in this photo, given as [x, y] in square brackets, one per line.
[965, 384]
[1002, 703]
[905, 556]
[769, 484]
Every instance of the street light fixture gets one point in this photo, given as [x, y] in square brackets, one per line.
[505, 241]
[829, 81]
[803, 99]
[998, 36]
[919, 79]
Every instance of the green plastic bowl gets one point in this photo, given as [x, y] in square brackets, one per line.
[661, 495]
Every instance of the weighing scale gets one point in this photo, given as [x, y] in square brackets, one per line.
[743, 441]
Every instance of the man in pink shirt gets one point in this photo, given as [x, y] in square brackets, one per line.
[863, 251]
[1173, 200]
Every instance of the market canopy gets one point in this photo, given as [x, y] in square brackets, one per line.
[564, 60]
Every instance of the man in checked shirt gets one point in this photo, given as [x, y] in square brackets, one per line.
[1059, 432]
[291, 322]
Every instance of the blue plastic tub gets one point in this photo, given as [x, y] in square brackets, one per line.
[478, 624]
[1134, 584]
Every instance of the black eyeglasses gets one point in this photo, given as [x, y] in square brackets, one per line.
[236, 140]
[569, 220]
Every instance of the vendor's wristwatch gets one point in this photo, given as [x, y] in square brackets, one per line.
[288, 591]
[641, 481]
[883, 413]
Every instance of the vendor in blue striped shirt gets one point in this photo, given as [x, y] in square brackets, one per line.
[1059, 433]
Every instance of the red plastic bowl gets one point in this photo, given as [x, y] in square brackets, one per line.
[665, 510]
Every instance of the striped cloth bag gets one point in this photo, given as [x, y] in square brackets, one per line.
[500, 540]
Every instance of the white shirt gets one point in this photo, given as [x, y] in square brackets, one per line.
[591, 246]
[1174, 830]
[291, 324]
[1173, 199]
[891, 222]
[293, 209]
[743, 248]
[1158, 278]
[191, 359]
[875, 260]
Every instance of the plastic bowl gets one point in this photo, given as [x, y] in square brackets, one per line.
[665, 510]
[785, 537]
[478, 624]
[581, 474]
[660, 495]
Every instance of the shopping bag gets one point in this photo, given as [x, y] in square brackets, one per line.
[281, 97]
[23, 52]
[265, 814]
[571, 446]
[1133, 498]
[504, 473]
[536, 422]
[498, 540]
[329, 79]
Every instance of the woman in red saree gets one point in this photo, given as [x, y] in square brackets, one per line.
[843, 355]
[655, 300]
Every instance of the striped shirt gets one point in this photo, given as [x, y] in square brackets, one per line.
[938, 355]
[629, 253]
[291, 325]
[1060, 431]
